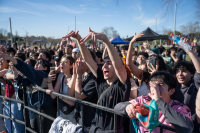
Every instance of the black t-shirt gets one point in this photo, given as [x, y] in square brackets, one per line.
[118, 93]
[89, 89]
[187, 95]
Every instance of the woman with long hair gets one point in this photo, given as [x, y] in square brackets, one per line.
[68, 84]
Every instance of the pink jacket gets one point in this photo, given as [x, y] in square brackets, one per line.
[177, 106]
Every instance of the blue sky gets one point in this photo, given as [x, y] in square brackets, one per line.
[52, 18]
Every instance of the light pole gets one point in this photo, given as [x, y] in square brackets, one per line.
[26, 33]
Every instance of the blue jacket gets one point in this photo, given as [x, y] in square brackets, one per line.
[37, 77]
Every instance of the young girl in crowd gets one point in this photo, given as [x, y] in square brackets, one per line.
[66, 67]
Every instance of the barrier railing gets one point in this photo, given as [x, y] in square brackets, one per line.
[80, 102]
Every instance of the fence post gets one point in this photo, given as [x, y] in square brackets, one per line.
[58, 111]
[83, 117]
[40, 127]
[24, 112]
[114, 122]
[10, 107]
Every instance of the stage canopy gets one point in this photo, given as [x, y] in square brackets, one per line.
[149, 35]
[118, 40]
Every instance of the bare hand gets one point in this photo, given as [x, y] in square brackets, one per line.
[48, 91]
[80, 69]
[152, 68]
[51, 76]
[94, 36]
[130, 110]
[72, 34]
[155, 92]
[136, 36]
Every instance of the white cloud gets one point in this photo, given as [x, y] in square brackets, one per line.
[14, 10]
[151, 21]
[83, 5]
[107, 15]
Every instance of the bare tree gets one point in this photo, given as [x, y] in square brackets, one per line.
[110, 32]
[168, 6]
[198, 9]
[190, 27]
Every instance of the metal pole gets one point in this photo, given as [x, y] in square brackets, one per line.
[175, 19]
[75, 23]
[11, 31]
[156, 28]
[156, 24]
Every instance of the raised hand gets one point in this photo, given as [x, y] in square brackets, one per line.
[155, 92]
[80, 68]
[136, 36]
[72, 34]
[94, 36]
[152, 68]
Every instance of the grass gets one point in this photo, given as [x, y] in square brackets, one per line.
[187, 57]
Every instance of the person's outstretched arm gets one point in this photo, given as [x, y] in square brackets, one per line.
[113, 55]
[134, 69]
[36, 76]
[84, 52]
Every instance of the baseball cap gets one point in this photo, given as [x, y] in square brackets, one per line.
[56, 58]
[75, 50]
[68, 45]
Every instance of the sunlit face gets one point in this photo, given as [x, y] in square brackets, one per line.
[134, 58]
[146, 45]
[65, 65]
[68, 50]
[74, 54]
[35, 49]
[39, 66]
[124, 52]
[164, 92]
[83, 64]
[57, 63]
[108, 70]
[43, 56]
[3, 64]
[141, 59]
[166, 53]
[183, 76]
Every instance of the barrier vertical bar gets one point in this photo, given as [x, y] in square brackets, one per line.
[161, 130]
[10, 106]
[114, 123]
[24, 112]
[40, 112]
[58, 111]
[83, 117]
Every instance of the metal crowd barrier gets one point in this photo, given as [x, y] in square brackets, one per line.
[80, 102]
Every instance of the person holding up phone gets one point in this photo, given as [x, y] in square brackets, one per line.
[155, 64]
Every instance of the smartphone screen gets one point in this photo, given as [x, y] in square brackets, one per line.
[53, 68]
[152, 60]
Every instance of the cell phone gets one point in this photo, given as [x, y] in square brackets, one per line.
[53, 69]
[152, 60]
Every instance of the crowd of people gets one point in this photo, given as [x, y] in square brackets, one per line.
[120, 78]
